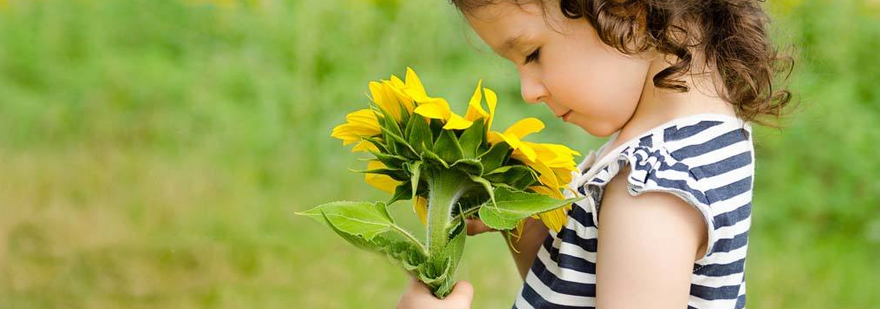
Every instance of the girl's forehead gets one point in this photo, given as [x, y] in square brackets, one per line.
[500, 10]
[504, 24]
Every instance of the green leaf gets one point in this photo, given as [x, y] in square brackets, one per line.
[415, 169]
[486, 185]
[430, 156]
[434, 272]
[388, 126]
[471, 199]
[455, 246]
[513, 206]
[399, 144]
[419, 134]
[495, 157]
[362, 219]
[361, 222]
[404, 115]
[369, 226]
[436, 128]
[396, 174]
[378, 143]
[447, 147]
[517, 176]
[469, 166]
[405, 253]
[390, 160]
[471, 139]
[401, 251]
[401, 192]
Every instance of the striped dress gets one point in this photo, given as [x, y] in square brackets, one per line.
[707, 160]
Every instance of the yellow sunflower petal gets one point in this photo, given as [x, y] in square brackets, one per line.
[395, 90]
[526, 151]
[494, 137]
[381, 182]
[560, 149]
[525, 127]
[360, 123]
[475, 109]
[554, 156]
[517, 231]
[350, 133]
[562, 156]
[563, 175]
[365, 118]
[546, 175]
[492, 101]
[456, 122]
[397, 82]
[420, 206]
[555, 219]
[381, 98]
[365, 146]
[434, 110]
[511, 140]
[414, 84]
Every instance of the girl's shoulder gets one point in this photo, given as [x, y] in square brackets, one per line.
[698, 150]
[707, 160]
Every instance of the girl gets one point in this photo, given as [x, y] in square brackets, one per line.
[675, 84]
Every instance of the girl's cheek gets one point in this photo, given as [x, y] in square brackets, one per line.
[603, 105]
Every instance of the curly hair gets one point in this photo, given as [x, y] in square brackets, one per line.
[731, 36]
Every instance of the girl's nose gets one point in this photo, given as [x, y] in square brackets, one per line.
[533, 91]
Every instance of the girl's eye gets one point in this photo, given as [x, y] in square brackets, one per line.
[533, 56]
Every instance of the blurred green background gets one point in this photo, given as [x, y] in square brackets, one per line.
[152, 152]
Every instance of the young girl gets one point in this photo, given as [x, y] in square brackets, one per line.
[674, 83]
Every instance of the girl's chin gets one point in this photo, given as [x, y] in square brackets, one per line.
[594, 128]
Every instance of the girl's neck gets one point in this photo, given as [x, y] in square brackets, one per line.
[657, 106]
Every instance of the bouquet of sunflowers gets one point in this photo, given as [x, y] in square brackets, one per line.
[452, 167]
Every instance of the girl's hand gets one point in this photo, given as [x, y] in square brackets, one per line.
[477, 227]
[418, 296]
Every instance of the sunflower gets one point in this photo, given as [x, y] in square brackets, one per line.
[452, 167]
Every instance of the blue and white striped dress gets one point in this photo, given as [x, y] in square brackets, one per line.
[707, 160]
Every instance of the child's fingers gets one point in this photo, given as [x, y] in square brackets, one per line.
[462, 294]
[417, 285]
[476, 226]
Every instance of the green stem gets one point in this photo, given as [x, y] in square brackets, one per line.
[445, 187]
[411, 237]
[465, 214]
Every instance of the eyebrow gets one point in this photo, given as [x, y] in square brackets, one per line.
[511, 42]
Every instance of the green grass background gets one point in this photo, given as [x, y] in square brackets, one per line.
[152, 153]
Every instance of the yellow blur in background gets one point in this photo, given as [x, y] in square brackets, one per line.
[152, 153]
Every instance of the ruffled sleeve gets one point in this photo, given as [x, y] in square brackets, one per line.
[651, 169]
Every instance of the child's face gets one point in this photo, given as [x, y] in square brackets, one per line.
[562, 63]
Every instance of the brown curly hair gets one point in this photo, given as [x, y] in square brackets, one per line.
[731, 35]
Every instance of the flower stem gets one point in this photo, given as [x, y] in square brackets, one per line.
[465, 213]
[411, 237]
[445, 187]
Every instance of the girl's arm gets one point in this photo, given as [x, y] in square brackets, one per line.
[530, 241]
[647, 248]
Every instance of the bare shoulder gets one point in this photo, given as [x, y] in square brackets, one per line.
[647, 247]
[661, 213]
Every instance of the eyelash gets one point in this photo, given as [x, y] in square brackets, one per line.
[533, 56]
